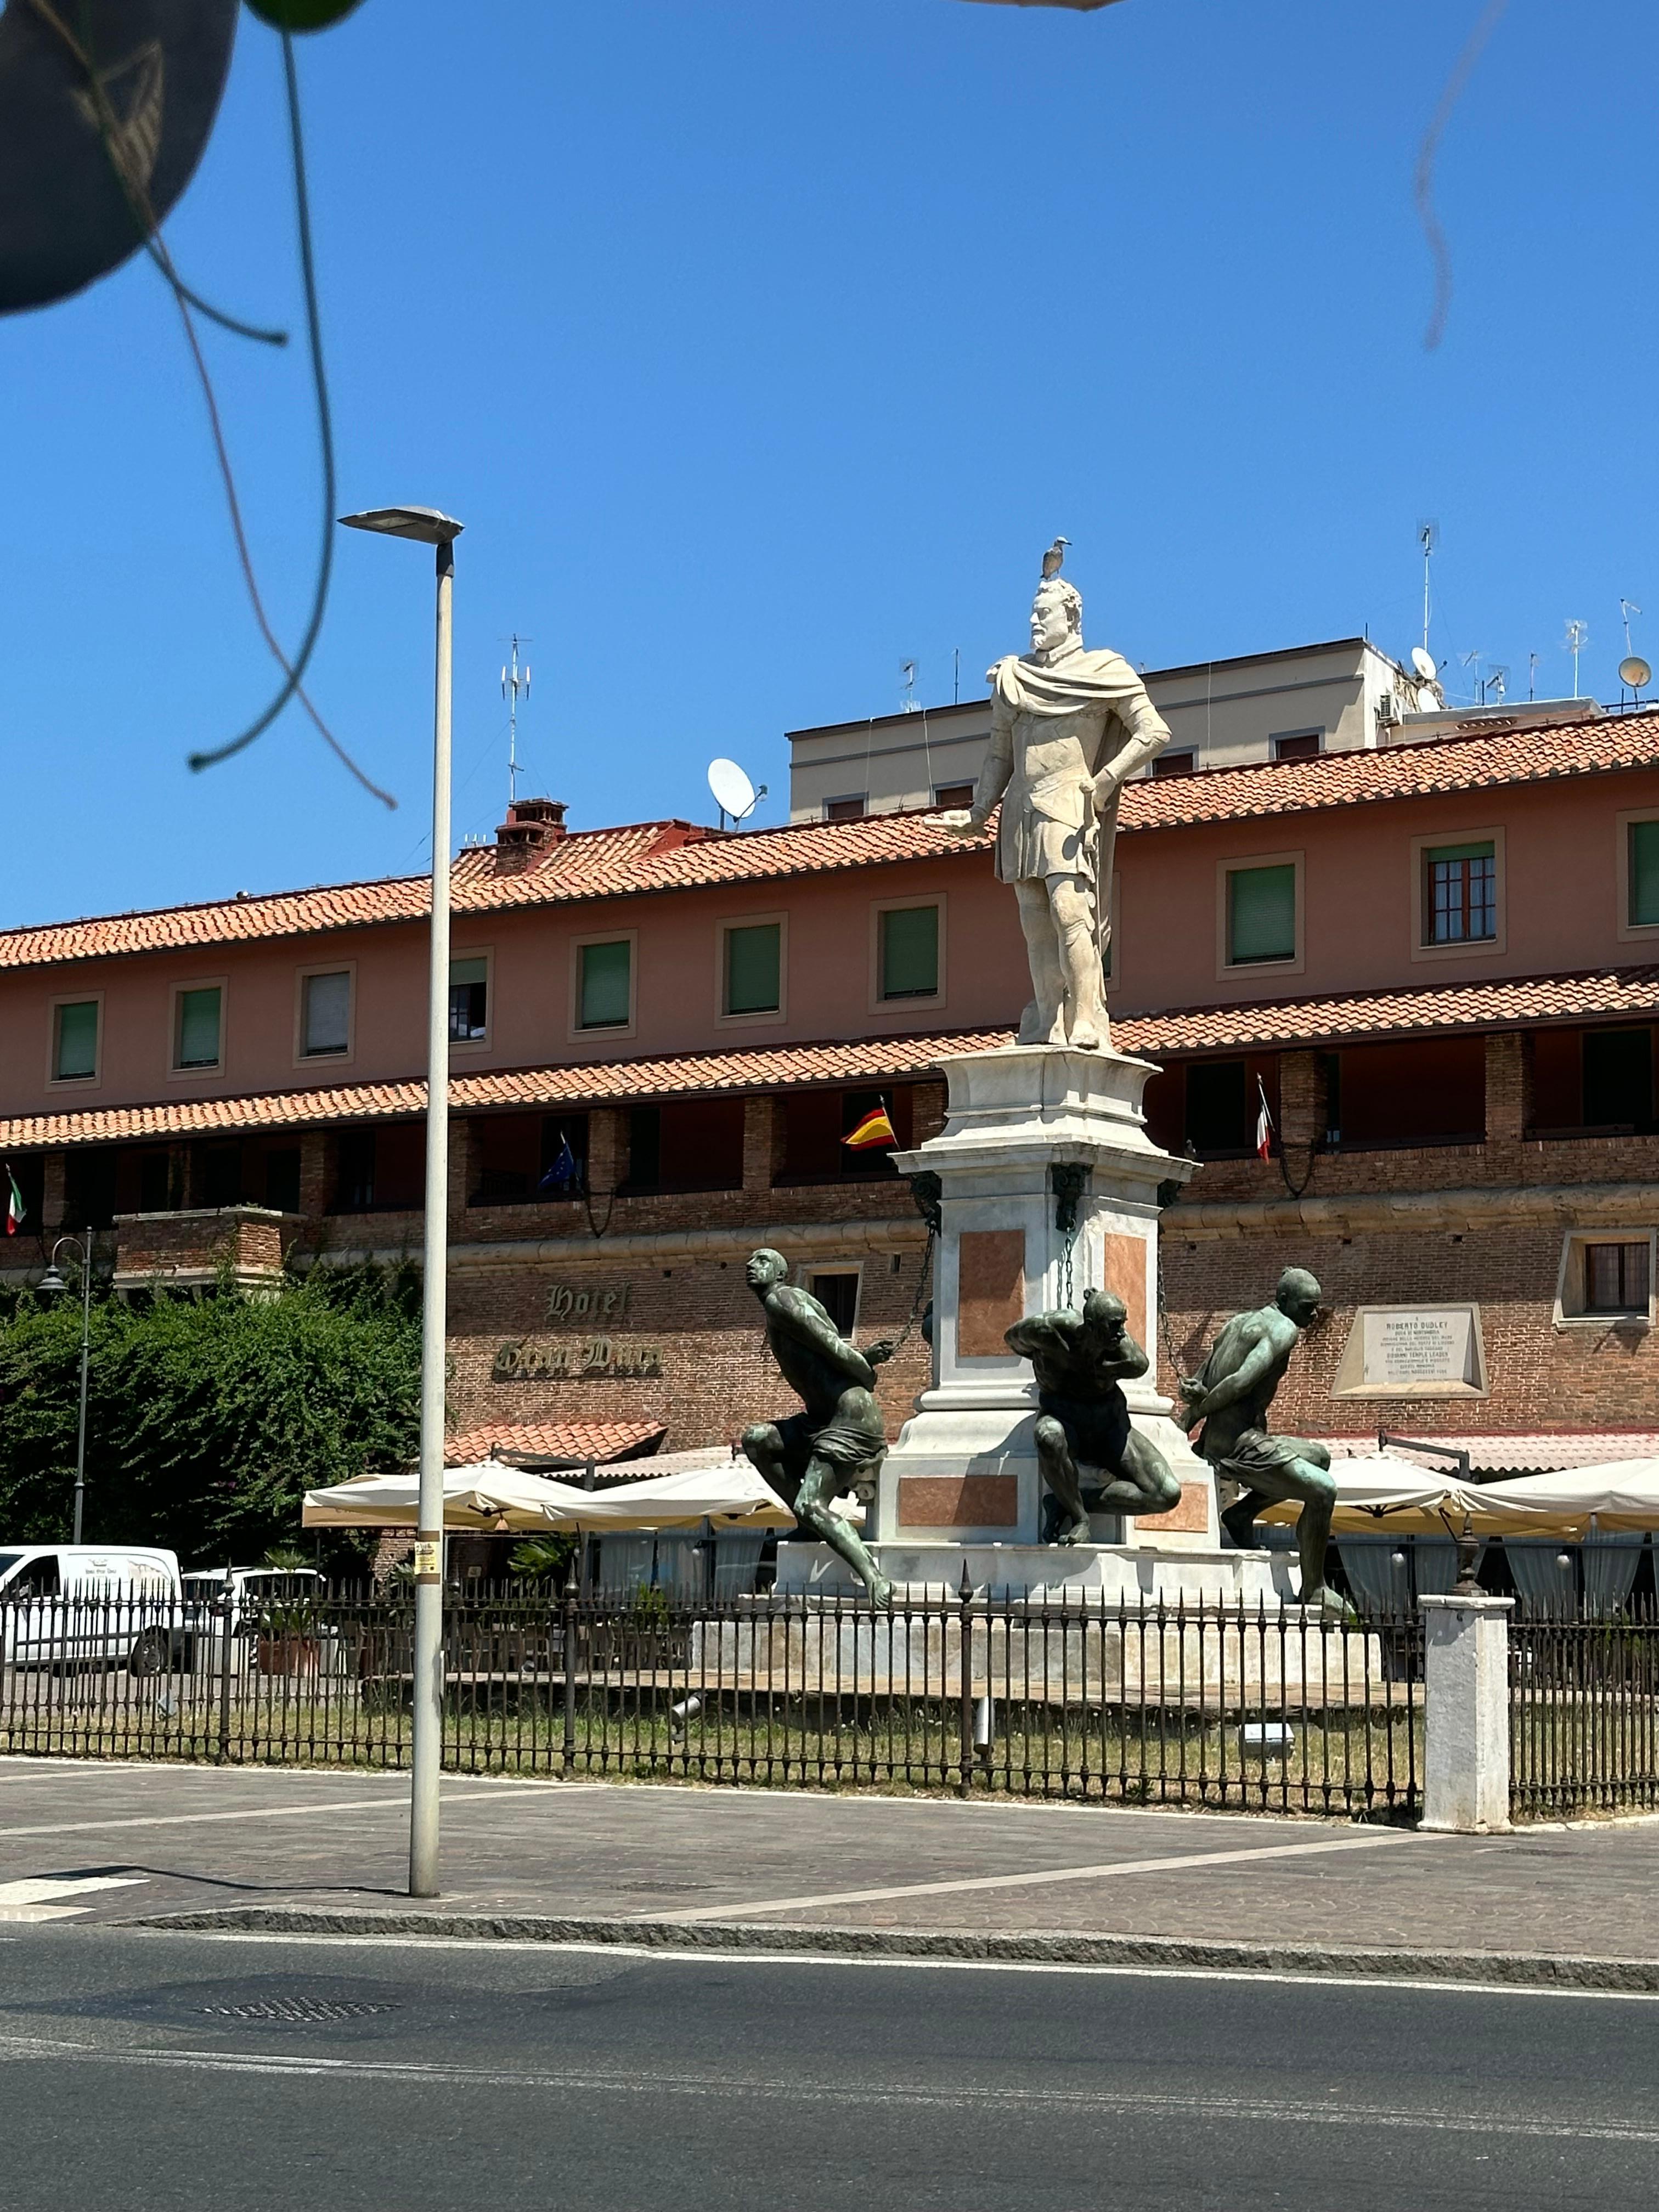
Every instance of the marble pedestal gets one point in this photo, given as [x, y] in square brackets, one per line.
[962, 1480]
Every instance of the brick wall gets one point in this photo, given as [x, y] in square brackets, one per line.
[1541, 1378]
[699, 1315]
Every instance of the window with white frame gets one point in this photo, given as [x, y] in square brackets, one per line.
[1607, 1276]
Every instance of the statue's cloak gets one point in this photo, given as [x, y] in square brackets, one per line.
[1081, 679]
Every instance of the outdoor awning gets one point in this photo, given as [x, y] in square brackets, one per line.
[1379, 1493]
[492, 1497]
[1620, 1498]
[489, 1496]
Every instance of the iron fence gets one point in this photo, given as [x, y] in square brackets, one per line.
[1584, 1710]
[1078, 1696]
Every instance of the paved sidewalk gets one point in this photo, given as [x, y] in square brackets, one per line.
[681, 1865]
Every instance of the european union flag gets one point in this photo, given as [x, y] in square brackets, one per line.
[563, 1173]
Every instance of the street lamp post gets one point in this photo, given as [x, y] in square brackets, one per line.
[53, 1286]
[427, 526]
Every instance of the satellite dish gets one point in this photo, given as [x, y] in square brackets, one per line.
[1424, 664]
[1635, 671]
[66, 215]
[733, 792]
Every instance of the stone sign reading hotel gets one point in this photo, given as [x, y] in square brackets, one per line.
[1414, 1352]
[588, 1302]
[590, 1359]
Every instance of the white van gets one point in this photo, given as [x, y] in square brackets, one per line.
[65, 1604]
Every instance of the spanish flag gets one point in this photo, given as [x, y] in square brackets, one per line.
[874, 1129]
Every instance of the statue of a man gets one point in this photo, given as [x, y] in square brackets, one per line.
[1231, 1396]
[1080, 1360]
[838, 1443]
[1068, 729]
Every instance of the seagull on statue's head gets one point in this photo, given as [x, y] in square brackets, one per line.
[1053, 558]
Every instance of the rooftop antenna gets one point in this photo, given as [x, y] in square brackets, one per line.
[1532, 675]
[955, 677]
[1474, 660]
[908, 700]
[1497, 681]
[514, 680]
[1428, 536]
[734, 794]
[1578, 639]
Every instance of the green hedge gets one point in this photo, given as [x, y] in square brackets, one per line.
[207, 1420]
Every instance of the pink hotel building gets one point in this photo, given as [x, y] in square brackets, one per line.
[1437, 960]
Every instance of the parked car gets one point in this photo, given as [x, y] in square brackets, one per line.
[90, 1605]
[271, 1614]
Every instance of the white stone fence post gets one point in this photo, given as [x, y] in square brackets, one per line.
[1465, 1700]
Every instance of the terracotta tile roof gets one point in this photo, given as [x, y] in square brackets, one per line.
[777, 1067]
[566, 1440]
[646, 857]
[1614, 994]
[586, 864]
[1543, 753]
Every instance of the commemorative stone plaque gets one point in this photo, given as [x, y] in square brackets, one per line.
[1414, 1352]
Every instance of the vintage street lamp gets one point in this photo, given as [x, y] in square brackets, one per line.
[427, 526]
[53, 1284]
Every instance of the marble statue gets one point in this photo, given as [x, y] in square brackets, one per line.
[1231, 1395]
[1068, 729]
[837, 1443]
[1080, 1360]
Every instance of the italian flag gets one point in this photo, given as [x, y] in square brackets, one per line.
[1264, 1124]
[13, 1204]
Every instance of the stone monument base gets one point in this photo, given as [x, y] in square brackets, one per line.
[1137, 1574]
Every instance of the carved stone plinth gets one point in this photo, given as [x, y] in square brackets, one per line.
[1024, 1125]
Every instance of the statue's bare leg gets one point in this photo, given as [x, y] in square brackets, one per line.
[1141, 1482]
[1309, 1481]
[1079, 959]
[764, 1448]
[1043, 1021]
[824, 1481]
[1059, 1472]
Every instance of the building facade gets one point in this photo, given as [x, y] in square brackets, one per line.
[1433, 964]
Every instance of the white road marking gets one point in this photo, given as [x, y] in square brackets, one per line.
[1369, 1840]
[398, 1803]
[650, 1954]
[975, 2097]
[43, 1897]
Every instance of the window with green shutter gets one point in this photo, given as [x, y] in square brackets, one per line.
[909, 952]
[1644, 873]
[196, 1043]
[754, 969]
[75, 1041]
[1261, 913]
[605, 994]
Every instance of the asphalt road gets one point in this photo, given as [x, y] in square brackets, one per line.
[153, 2072]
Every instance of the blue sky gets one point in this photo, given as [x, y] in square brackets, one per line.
[762, 345]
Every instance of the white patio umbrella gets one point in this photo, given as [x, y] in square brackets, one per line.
[1396, 1494]
[489, 1496]
[1621, 1497]
[732, 1496]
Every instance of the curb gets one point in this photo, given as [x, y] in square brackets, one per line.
[1512, 1969]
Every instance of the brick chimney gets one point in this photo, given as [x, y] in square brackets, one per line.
[533, 827]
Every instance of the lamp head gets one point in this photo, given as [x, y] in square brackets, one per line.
[52, 1284]
[428, 526]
